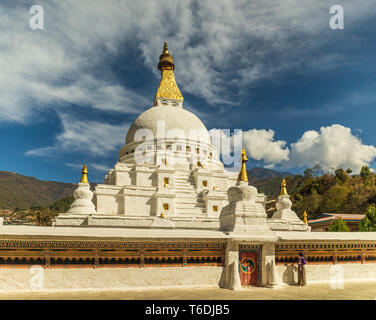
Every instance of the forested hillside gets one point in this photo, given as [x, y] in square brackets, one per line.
[19, 191]
[342, 192]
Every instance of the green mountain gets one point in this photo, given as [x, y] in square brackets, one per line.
[267, 181]
[19, 191]
[264, 173]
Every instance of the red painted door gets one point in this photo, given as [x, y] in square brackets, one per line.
[248, 268]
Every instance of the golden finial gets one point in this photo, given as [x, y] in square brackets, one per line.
[84, 174]
[305, 215]
[283, 188]
[165, 49]
[167, 87]
[166, 62]
[243, 172]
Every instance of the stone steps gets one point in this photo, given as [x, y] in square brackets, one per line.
[189, 206]
[186, 190]
[187, 202]
[184, 186]
[190, 212]
[196, 211]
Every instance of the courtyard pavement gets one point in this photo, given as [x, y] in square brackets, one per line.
[350, 291]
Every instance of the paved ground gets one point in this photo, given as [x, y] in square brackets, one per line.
[351, 291]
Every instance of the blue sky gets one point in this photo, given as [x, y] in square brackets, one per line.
[301, 92]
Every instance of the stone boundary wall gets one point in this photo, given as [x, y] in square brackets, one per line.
[25, 280]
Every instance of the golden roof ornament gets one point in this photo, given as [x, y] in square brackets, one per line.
[243, 172]
[84, 175]
[167, 87]
[305, 215]
[283, 188]
[166, 62]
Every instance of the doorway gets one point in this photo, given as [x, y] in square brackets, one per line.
[249, 268]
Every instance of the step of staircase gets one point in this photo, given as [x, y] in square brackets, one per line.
[185, 190]
[190, 212]
[187, 202]
[180, 185]
[189, 205]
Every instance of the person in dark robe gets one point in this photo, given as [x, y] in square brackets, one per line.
[301, 270]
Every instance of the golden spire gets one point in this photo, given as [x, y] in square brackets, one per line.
[167, 87]
[84, 174]
[243, 172]
[283, 188]
[305, 217]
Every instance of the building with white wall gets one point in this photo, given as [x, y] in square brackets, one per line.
[170, 214]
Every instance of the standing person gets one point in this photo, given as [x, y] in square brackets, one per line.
[301, 270]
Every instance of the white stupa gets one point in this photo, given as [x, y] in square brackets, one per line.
[168, 173]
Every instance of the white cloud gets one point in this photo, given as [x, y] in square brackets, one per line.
[74, 165]
[88, 91]
[260, 145]
[85, 136]
[96, 166]
[100, 167]
[64, 63]
[332, 147]
[215, 44]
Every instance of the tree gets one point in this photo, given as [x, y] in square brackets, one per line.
[308, 173]
[335, 199]
[309, 203]
[341, 175]
[62, 205]
[367, 176]
[44, 217]
[368, 223]
[338, 225]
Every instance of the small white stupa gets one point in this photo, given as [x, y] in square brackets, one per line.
[243, 213]
[83, 196]
[285, 218]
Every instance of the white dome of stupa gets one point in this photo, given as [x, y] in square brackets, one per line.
[172, 118]
[167, 125]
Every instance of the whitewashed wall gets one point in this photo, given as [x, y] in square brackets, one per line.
[325, 273]
[22, 280]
